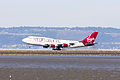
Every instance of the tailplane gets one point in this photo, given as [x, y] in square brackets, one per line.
[90, 39]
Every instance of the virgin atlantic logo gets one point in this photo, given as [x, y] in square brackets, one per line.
[89, 40]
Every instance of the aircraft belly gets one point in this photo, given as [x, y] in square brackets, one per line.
[77, 45]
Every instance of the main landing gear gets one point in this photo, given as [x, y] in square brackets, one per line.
[56, 48]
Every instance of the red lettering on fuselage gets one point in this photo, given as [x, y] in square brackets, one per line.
[39, 39]
[46, 40]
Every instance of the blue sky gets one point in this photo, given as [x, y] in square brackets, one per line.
[60, 13]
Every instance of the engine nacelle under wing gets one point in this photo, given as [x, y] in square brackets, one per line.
[64, 45]
[52, 45]
[46, 46]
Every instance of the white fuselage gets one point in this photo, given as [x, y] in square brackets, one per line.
[44, 40]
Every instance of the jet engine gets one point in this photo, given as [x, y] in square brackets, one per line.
[52, 45]
[46, 46]
[64, 45]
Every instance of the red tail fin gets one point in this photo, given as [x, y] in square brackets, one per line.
[90, 39]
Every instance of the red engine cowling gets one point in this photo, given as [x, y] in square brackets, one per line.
[65, 45]
[52, 45]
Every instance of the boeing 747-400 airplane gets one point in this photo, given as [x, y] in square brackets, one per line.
[57, 44]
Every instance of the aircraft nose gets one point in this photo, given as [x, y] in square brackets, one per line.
[24, 40]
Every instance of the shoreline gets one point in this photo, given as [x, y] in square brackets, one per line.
[61, 52]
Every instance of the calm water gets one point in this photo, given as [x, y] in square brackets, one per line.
[61, 62]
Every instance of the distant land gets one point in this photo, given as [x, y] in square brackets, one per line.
[10, 38]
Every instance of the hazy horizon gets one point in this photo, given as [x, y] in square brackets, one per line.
[63, 27]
